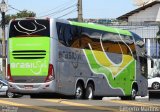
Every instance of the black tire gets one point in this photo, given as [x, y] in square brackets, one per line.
[79, 93]
[89, 91]
[10, 94]
[155, 85]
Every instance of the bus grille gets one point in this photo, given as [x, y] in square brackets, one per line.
[29, 54]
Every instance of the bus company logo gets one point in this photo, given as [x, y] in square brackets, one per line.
[70, 55]
[37, 64]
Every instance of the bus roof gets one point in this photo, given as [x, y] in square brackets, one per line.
[90, 25]
[101, 27]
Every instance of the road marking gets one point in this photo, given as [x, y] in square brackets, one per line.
[30, 106]
[81, 105]
[133, 103]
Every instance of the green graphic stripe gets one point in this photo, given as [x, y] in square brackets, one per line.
[100, 27]
[122, 81]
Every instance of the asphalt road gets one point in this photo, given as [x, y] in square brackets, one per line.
[107, 104]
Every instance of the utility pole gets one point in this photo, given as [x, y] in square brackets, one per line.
[80, 18]
[3, 9]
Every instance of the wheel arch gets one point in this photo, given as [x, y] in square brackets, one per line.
[156, 82]
[135, 86]
[81, 81]
[90, 81]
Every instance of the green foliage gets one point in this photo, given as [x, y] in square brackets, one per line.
[21, 14]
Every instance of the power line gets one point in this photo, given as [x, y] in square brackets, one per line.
[59, 6]
[74, 10]
[14, 8]
[64, 9]
[59, 11]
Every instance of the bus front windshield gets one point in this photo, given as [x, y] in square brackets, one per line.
[29, 28]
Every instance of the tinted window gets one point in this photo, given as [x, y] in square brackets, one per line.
[67, 34]
[81, 37]
[4, 83]
[113, 44]
[27, 28]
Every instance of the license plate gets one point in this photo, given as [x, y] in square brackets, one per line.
[28, 86]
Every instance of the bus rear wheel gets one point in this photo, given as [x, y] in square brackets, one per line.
[89, 91]
[79, 94]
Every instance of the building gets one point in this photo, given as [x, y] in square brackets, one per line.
[145, 21]
[148, 13]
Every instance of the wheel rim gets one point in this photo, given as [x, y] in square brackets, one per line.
[156, 86]
[10, 95]
[90, 93]
[78, 92]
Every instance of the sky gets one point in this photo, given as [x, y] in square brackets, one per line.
[67, 8]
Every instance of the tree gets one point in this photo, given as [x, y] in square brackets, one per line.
[20, 14]
[25, 13]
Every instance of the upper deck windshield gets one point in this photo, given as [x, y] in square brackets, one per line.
[29, 28]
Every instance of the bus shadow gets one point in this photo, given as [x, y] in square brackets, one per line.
[50, 96]
[154, 95]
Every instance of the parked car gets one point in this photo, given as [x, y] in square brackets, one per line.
[154, 82]
[4, 89]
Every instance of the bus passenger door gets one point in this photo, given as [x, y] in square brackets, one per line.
[143, 74]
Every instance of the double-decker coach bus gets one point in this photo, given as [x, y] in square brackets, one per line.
[84, 60]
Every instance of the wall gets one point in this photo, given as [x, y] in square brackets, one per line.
[149, 14]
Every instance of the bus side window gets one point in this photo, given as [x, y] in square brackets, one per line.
[92, 37]
[66, 34]
[60, 32]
